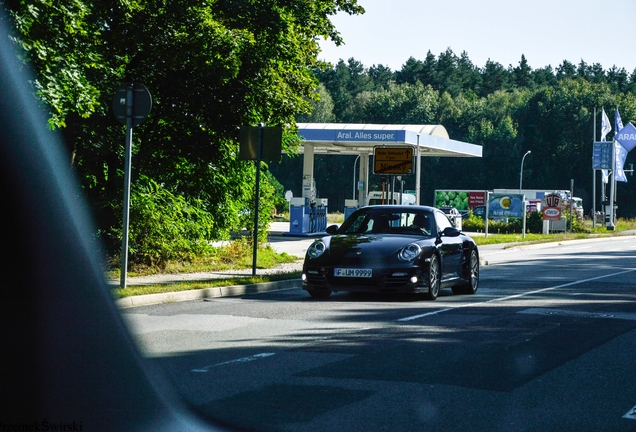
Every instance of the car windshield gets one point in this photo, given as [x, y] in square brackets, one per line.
[389, 221]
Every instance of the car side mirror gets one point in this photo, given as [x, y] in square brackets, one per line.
[332, 229]
[451, 232]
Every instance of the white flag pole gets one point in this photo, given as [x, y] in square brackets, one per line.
[610, 224]
[594, 177]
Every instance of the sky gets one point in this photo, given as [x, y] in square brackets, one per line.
[547, 32]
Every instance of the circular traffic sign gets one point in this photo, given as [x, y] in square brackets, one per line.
[132, 100]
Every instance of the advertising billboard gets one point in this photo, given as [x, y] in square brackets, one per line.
[506, 206]
[460, 199]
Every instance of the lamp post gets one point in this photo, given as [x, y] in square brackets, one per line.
[521, 171]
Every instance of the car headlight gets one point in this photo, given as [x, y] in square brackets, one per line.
[409, 252]
[316, 249]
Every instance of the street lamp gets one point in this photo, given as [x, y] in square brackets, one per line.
[521, 172]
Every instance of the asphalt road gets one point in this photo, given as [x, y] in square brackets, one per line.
[547, 343]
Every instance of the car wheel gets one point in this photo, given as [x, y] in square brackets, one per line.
[323, 294]
[470, 287]
[433, 278]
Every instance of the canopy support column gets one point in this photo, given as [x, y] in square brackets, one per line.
[364, 177]
[308, 172]
[418, 172]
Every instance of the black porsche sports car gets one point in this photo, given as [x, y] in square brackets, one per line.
[396, 249]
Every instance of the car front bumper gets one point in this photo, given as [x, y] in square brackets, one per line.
[400, 280]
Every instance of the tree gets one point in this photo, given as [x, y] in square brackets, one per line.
[446, 73]
[566, 70]
[211, 67]
[428, 75]
[523, 74]
[468, 77]
[618, 79]
[411, 71]
[382, 76]
[400, 104]
[544, 76]
[61, 44]
[416, 70]
[493, 77]
[344, 83]
[322, 109]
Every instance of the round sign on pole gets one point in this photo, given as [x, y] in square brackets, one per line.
[141, 103]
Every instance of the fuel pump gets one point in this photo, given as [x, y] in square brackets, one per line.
[308, 214]
[351, 205]
[320, 212]
[299, 216]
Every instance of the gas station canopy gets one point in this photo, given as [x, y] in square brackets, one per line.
[397, 146]
[355, 139]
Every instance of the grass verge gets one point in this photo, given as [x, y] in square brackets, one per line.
[515, 239]
[134, 290]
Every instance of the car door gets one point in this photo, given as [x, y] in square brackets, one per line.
[450, 248]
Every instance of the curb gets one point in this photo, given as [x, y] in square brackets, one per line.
[206, 293]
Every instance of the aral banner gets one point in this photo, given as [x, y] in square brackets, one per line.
[505, 206]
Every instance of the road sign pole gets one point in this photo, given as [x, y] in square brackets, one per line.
[259, 155]
[127, 170]
[131, 105]
[610, 224]
[593, 198]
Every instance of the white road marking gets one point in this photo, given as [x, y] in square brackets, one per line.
[582, 314]
[631, 414]
[414, 317]
[239, 360]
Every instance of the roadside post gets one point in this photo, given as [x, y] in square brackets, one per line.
[131, 105]
[487, 213]
[571, 205]
[525, 216]
[258, 143]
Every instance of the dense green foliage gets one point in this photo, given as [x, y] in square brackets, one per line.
[508, 111]
[212, 66]
[165, 226]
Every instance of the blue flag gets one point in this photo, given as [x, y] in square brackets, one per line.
[618, 123]
[621, 154]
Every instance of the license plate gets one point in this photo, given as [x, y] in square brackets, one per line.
[349, 272]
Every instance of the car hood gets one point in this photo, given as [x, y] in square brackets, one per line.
[370, 244]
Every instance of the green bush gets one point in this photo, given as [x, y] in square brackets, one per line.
[534, 222]
[473, 223]
[165, 226]
[267, 207]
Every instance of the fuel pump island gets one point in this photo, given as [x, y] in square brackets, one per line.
[394, 149]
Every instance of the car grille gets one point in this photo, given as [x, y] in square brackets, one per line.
[317, 280]
[395, 281]
[383, 283]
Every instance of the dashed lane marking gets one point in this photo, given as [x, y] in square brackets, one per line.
[239, 360]
[631, 414]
